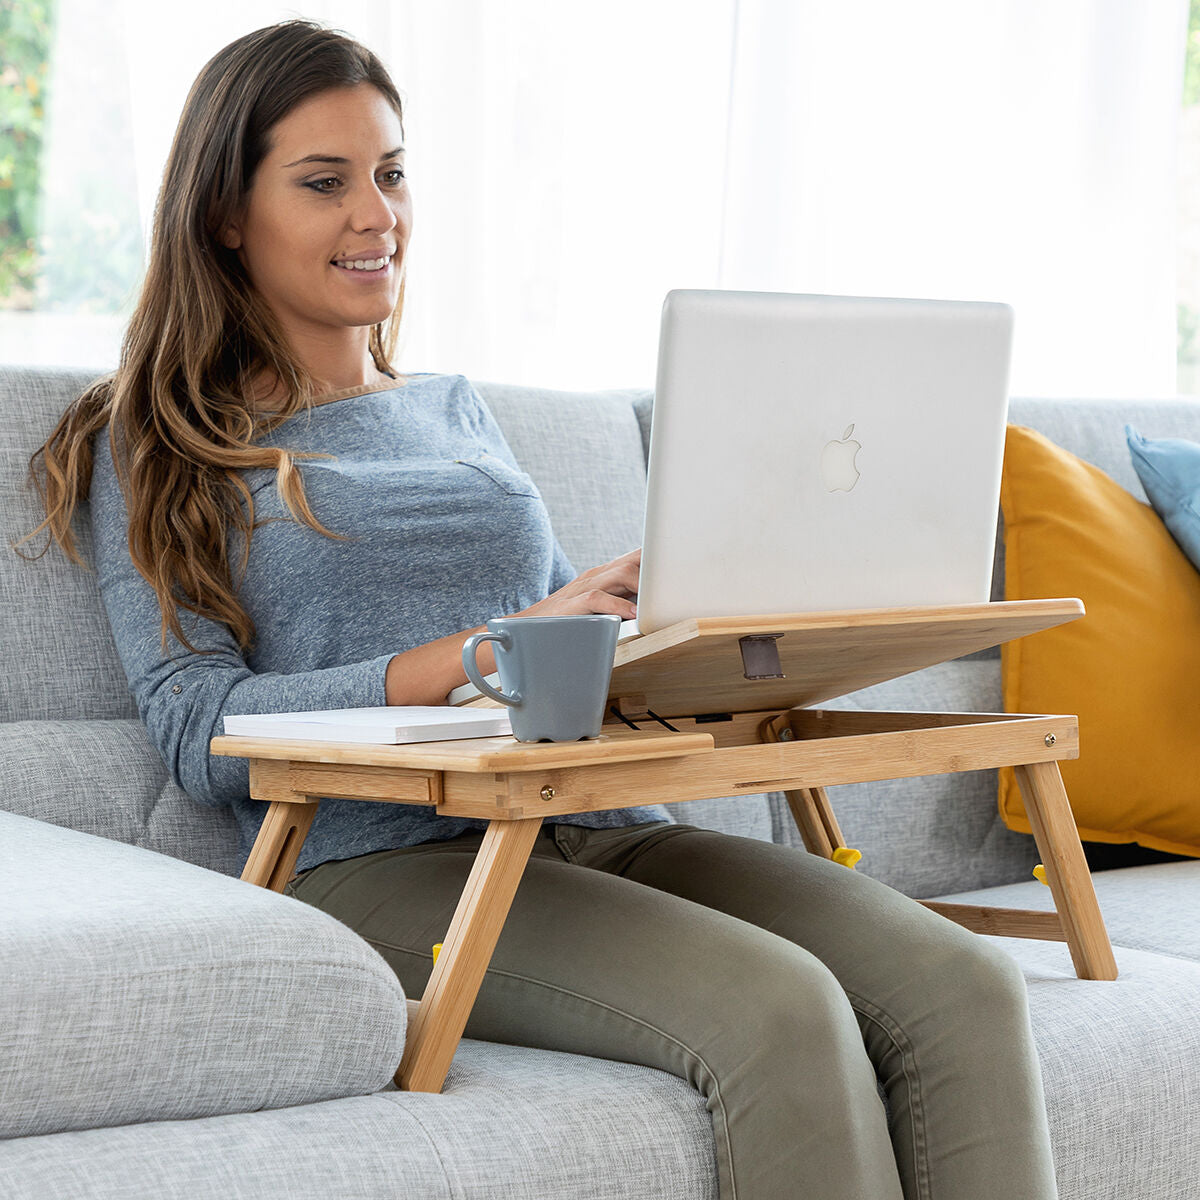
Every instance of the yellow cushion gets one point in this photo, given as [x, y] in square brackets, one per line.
[1130, 668]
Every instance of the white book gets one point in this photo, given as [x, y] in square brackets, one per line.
[388, 725]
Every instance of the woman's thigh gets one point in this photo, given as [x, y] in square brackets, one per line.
[943, 1012]
[598, 964]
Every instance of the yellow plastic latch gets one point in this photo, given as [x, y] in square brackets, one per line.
[1039, 873]
[847, 857]
[437, 949]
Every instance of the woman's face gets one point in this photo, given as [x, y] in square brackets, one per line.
[328, 215]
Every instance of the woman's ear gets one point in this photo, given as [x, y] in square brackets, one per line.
[231, 237]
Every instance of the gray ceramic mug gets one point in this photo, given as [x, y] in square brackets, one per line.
[555, 673]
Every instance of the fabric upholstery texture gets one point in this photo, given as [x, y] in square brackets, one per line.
[1169, 469]
[584, 452]
[139, 988]
[512, 1124]
[1149, 908]
[1119, 1057]
[1128, 668]
[56, 638]
[1119, 1070]
[105, 778]
[1094, 430]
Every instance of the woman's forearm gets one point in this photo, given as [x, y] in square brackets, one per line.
[427, 674]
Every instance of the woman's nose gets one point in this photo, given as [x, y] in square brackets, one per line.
[373, 211]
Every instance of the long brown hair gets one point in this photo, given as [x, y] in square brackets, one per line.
[178, 407]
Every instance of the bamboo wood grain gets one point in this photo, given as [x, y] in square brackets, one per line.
[749, 769]
[434, 1034]
[1002, 922]
[271, 780]
[807, 812]
[273, 857]
[1066, 869]
[810, 807]
[811, 723]
[696, 666]
[281, 779]
[481, 755]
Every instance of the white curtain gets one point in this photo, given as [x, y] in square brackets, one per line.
[570, 163]
[1016, 150]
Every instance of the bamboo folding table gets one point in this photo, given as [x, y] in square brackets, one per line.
[705, 708]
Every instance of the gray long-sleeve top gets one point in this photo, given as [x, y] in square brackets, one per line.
[445, 531]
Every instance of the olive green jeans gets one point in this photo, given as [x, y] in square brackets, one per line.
[779, 985]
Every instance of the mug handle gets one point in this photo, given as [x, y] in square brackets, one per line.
[472, 667]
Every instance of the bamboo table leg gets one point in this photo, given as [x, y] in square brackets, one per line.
[458, 973]
[273, 856]
[814, 817]
[810, 807]
[1066, 870]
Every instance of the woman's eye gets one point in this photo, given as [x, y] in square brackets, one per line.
[394, 176]
[329, 184]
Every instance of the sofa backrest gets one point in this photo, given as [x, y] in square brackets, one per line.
[60, 658]
[586, 452]
[583, 451]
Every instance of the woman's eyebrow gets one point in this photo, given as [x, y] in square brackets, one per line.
[333, 158]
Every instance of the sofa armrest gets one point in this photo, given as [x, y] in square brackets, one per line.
[135, 987]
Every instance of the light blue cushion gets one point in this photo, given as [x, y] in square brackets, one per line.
[1169, 469]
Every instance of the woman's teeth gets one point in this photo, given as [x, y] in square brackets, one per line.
[364, 264]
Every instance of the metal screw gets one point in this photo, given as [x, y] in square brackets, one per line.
[788, 735]
[547, 793]
[1050, 739]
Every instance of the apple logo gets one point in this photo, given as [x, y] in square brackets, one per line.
[838, 471]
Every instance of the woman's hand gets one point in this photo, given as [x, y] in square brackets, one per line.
[611, 587]
[425, 674]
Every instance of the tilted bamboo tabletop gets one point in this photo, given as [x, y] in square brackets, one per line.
[721, 734]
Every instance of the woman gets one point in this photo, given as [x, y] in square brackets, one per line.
[282, 522]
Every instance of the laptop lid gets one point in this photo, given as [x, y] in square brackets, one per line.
[812, 453]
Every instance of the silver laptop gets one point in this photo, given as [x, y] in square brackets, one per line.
[820, 453]
[815, 453]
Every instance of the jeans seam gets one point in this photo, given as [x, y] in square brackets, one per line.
[561, 843]
[908, 1060]
[553, 987]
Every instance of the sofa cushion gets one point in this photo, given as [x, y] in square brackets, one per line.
[1118, 1064]
[1128, 668]
[104, 777]
[137, 987]
[511, 1124]
[1119, 1056]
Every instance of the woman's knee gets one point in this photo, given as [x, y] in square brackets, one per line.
[984, 974]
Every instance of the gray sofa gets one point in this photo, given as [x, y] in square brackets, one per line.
[166, 1030]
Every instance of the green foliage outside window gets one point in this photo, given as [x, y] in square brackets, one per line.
[1191, 73]
[25, 29]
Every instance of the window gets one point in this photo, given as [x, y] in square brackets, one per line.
[1189, 214]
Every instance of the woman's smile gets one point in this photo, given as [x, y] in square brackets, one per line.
[376, 267]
